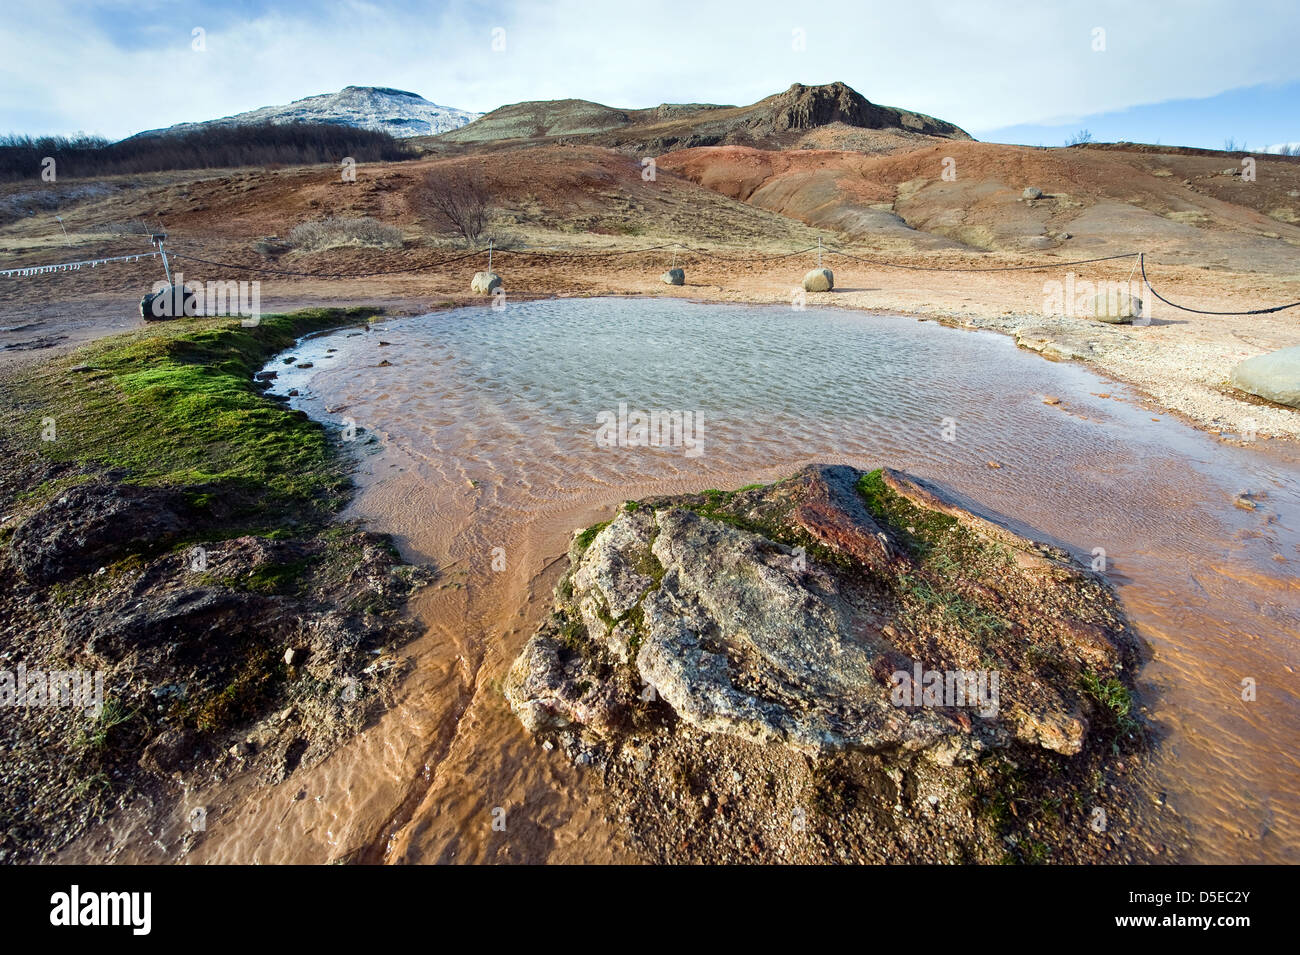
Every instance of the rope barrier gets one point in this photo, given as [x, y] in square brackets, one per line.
[1184, 308]
[999, 268]
[580, 255]
[75, 266]
[325, 275]
[135, 257]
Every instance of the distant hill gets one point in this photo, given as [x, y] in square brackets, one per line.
[778, 121]
[395, 112]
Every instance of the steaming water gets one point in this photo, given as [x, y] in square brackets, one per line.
[487, 426]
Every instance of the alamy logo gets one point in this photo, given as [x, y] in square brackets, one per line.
[192, 299]
[1085, 299]
[75, 907]
[79, 689]
[973, 688]
[652, 429]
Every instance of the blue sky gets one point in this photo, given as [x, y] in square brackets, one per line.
[1184, 72]
[1254, 117]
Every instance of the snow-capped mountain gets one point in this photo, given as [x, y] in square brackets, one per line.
[397, 112]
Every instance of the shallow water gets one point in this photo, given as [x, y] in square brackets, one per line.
[489, 457]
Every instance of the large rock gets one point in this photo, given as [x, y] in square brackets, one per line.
[92, 524]
[819, 280]
[839, 666]
[1116, 307]
[1273, 375]
[173, 301]
[1062, 342]
[743, 632]
[674, 277]
[485, 283]
[1032, 192]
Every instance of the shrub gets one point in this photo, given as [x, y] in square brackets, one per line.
[456, 200]
[335, 231]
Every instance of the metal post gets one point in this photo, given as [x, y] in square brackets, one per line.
[166, 268]
[489, 256]
[819, 252]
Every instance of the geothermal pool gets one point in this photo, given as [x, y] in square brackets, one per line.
[501, 431]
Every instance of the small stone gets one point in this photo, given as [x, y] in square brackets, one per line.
[674, 277]
[1032, 192]
[307, 364]
[293, 656]
[1051, 400]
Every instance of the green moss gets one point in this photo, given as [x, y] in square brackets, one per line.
[245, 696]
[587, 536]
[273, 579]
[572, 633]
[176, 404]
[920, 530]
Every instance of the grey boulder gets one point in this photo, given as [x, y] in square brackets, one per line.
[1274, 376]
[485, 283]
[819, 280]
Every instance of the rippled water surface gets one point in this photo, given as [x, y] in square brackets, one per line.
[487, 424]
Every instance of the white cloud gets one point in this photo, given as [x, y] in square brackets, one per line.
[981, 65]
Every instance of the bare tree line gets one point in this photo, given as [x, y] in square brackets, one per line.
[213, 147]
